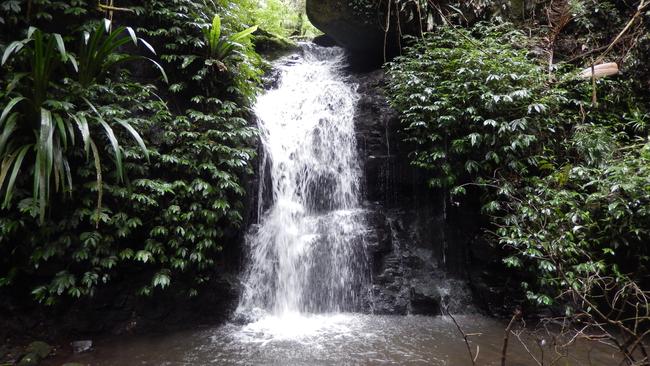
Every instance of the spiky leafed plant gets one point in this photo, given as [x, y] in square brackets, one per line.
[37, 127]
[99, 52]
[221, 47]
[40, 120]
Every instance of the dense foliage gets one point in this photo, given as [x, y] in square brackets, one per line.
[50, 116]
[582, 221]
[475, 107]
[560, 162]
[172, 197]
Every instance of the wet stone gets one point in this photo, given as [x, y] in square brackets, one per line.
[82, 346]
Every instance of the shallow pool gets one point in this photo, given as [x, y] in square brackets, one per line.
[339, 339]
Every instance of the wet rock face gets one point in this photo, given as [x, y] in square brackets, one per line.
[418, 255]
[408, 275]
[403, 275]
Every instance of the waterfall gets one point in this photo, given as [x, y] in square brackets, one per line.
[307, 253]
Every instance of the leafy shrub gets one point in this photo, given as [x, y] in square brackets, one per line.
[475, 107]
[568, 180]
[47, 123]
[169, 225]
[583, 220]
[99, 52]
[221, 47]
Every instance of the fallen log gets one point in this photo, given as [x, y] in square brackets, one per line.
[599, 71]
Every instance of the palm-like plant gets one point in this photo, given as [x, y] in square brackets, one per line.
[46, 54]
[99, 54]
[220, 47]
[37, 121]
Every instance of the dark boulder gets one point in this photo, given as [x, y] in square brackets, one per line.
[325, 41]
[344, 22]
[366, 27]
[425, 297]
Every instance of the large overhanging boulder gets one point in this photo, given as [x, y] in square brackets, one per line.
[356, 28]
[359, 25]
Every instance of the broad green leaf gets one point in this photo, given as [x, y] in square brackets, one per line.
[61, 45]
[135, 135]
[240, 36]
[20, 156]
[7, 109]
[63, 133]
[117, 150]
[44, 157]
[74, 62]
[13, 47]
[134, 38]
[216, 28]
[7, 131]
[68, 174]
[98, 177]
[82, 124]
[160, 68]
[146, 44]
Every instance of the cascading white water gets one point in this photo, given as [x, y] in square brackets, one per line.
[307, 252]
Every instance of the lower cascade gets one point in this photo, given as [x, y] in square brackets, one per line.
[307, 253]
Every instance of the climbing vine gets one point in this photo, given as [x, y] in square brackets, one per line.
[181, 200]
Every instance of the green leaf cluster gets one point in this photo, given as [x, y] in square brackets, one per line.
[583, 220]
[173, 208]
[222, 47]
[41, 118]
[565, 181]
[474, 105]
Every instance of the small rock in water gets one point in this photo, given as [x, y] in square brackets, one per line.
[82, 346]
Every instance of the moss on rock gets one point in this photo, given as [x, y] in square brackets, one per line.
[272, 45]
[30, 359]
[41, 349]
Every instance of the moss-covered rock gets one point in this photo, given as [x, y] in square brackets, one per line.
[272, 45]
[30, 359]
[41, 349]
